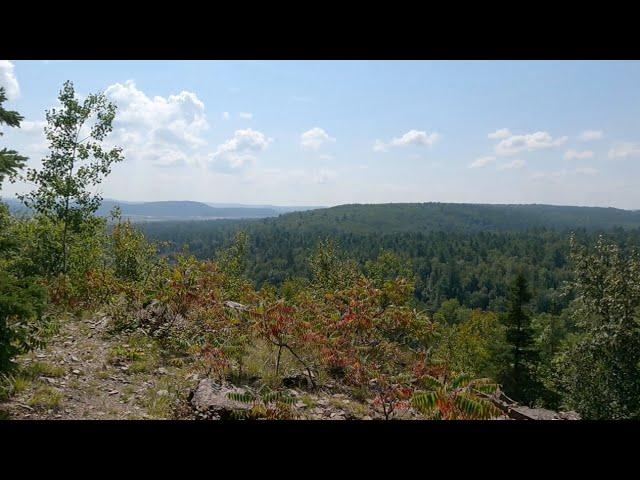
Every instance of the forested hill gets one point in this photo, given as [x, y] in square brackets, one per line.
[178, 210]
[463, 251]
[456, 217]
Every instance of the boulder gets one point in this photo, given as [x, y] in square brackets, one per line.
[235, 305]
[298, 380]
[157, 319]
[210, 401]
[512, 410]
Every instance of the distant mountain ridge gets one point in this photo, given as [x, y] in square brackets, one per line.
[181, 210]
[382, 218]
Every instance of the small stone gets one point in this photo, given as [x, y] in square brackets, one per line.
[75, 372]
[75, 359]
[113, 392]
[162, 371]
[301, 405]
[162, 393]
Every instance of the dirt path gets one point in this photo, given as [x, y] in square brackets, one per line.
[76, 377]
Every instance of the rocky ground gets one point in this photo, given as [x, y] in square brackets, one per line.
[86, 373]
[79, 375]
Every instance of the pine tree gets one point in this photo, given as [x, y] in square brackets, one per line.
[21, 299]
[10, 160]
[519, 379]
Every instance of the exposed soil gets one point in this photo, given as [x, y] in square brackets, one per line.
[81, 381]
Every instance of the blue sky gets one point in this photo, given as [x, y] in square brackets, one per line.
[326, 133]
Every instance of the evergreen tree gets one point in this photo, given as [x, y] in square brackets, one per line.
[10, 160]
[21, 299]
[519, 378]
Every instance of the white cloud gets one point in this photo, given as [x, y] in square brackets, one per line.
[589, 135]
[277, 177]
[163, 131]
[587, 171]
[562, 174]
[313, 139]
[379, 146]
[245, 115]
[624, 150]
[225, 115]
[500, 134]
[326, 157]
[412, 137]
[239, 150]
[8, 80]
[482, 162]
[512, 165]
[527, 142]
[572, 154]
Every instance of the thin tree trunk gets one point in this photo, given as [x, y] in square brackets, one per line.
[313, 383]
[278, 359]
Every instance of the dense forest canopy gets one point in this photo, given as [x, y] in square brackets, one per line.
[461, 251]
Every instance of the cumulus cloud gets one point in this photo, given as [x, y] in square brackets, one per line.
[589, 135]
[499, 134]
[8, 80]
[624, 150]
[527, 142]
[482, 162]
[572, 154]
[412, 137]
[164, 131]
[245, 115]
[29, 139]
[313, 139]
[240, 149]
[512, 165]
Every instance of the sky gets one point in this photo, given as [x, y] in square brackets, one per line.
[334, 132]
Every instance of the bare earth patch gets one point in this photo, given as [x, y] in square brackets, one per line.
[77, 377]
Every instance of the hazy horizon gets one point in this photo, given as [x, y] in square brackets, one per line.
[324, 133]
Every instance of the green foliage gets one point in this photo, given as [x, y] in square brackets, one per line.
[519, 378]
[128, 251]
[329, 270]
[76, 162]
[21, 305]
[458, 398]
[599, 371]
[265, 404]
[10, 161]
[475, 345]
[472, 267]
